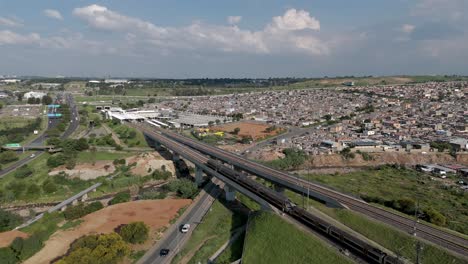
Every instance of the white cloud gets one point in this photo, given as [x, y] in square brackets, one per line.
[283, 34]
[407, 28]
[295, 20]
[11, 38]
[232, 20]
[53, 14]
[9, 22]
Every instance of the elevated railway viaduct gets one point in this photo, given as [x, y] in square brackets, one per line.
[444, 239]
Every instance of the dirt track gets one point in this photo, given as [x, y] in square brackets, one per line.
[7, 237]
[155, 213]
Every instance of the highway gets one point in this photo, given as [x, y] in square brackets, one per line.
[437, 236]
[173, 239]
[51, 123]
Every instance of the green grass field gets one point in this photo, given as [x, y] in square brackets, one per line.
[211, 234]
[123, 131]
[400, 243]
[87, 156]
[393, 184]
[272, 240]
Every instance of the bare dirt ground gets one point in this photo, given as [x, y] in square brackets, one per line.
[7, 237]
[148, 162]
[381, 158]
[154, 213]
[145, 164]
[254, 129]
[87, 171]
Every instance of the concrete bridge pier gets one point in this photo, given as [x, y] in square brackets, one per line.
[84, 197]
[230, 193]
[63, 208]
[198, 175]
[75, 202]
[175, 157]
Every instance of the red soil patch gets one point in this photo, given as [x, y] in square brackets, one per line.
[253, 129]
[155, 214]
[7, 237]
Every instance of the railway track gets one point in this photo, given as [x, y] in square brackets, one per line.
[439, 237]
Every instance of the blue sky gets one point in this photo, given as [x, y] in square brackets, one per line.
[243, 38]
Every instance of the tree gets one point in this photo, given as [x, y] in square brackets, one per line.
[56, 160]
[20, 96]
[46, 100]
[81, 144]
[31, 100]
[236, 131]
[135, 233]
[210, 123]
[151, 100]
[97, 249]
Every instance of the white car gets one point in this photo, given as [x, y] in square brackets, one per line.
[185, 228]
[33, 155]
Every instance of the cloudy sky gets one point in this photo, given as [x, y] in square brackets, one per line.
[242, 38]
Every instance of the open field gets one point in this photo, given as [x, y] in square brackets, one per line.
[87, 156]
[211, 234]
[253, 129]
[400, 243]
[272, 240]
[439, 194]
[125, 135]
[154, 213]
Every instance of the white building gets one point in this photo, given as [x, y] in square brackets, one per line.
[34, 95]
[116, 81]
[10, 81]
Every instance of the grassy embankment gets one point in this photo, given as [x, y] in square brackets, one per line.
[33, 189]
[211, 234]
[391, 184]
[272, 240]
[400, 243]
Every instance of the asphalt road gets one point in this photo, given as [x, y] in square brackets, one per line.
[175, 240]
[52, 123]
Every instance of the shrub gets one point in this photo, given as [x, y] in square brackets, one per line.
[121, 197]
[8, 156]
[80, 210]
[7, 256]
[23, 172]
[161, 175]
[433, 216]
[56, 160]
[8, 220]
[152, 195]
[98, 249]
[135, 233]
[49, 186]
[184, 187]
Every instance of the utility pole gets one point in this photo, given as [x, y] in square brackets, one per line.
[418, 243]
[308, 187]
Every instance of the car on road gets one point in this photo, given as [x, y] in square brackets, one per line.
[164, 252]
[185, 228]
[32, 155]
